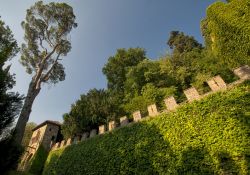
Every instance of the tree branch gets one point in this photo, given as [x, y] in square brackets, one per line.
[46, 76]
[41, 65]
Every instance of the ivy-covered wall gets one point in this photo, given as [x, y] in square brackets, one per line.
[38, 160]
[227, 32]
[211, 136]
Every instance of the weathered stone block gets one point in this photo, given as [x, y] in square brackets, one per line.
[217, 83]
[76, 140]
[124, 121]
[102, 129]
[62, 143]
[220, 82]
[57, 145]
[243, 72]
[93, 133]
[170, 103]
[137, 116]
[213, 85]
[112, 125]
[191, 94]
[69, 141]
[152, 110]
[84, 136]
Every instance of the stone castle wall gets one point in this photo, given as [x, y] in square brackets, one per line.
[215, 83]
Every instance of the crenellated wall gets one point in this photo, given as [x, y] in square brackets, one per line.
[215, 83]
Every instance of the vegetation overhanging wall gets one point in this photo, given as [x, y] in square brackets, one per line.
[210, 136]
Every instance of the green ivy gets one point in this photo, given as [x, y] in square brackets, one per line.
[210, 136]
[37, 162]
[227, 32]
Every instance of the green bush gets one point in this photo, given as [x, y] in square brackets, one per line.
[210, 136]
[227, 33]
[10, 152]
[37, 162]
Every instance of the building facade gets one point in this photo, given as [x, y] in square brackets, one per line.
[44, 134]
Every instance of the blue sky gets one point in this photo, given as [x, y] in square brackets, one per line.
[103, 27]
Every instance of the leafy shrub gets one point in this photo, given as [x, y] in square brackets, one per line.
[37, 162]
[210, 136]
[226, 30]
[10, 153]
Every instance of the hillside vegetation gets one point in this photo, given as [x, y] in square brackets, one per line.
[135, 81]
[210, 136]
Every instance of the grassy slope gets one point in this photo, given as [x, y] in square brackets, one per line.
[210, 136]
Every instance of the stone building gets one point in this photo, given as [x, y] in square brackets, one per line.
[44, 134]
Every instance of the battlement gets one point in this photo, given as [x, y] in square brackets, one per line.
[215, 83]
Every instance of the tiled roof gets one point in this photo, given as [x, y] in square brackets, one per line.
[45, 123]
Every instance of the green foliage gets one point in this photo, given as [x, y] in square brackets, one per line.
[46, 28]
[10, 153]
[150, 95]
[227, 33]
[116, 67]
[181, 43]
[10, 102]
[38, 160]
[210, 136]
[18, 173]
[135, 82]
[90, 111]
[116, 70]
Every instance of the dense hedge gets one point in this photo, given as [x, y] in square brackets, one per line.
[37, 162]
[210, 136]
[227, 32]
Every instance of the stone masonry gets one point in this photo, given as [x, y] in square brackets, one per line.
[112, 125]
[152, 110]
[102, 129]
[137, 116]
[44, 135]
[243, 72]
[216, 83]
[191, 94]
[170, 103]
[124, 121]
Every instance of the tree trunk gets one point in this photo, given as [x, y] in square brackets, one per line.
[33, 91]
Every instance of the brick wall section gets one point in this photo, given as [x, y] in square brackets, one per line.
[93, 133]
[152, 110]
[62, 143]
[50, 133]
[170, 103]
[243, 72]
[124, 121]
[101, 129]
[84, 136]
[137, 116]
[112, 125]
[192, 94]
[216, 83]
[69, 141]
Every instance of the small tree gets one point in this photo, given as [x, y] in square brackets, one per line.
[46, 27]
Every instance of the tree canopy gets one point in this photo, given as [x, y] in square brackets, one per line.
[10, 102]
[135, 81]
[226, 31]
[47, 28]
